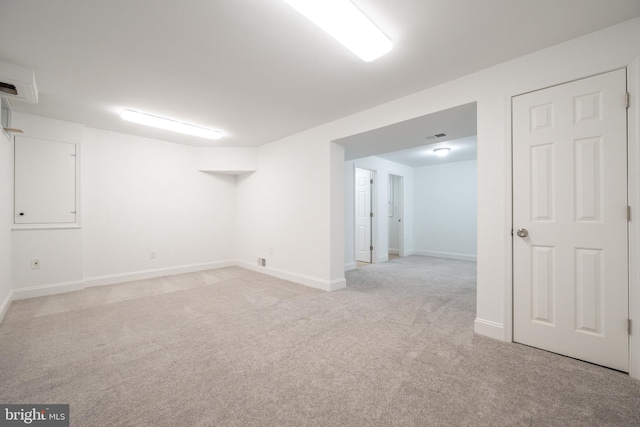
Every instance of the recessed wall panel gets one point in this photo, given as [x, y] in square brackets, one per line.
[542, 181]
[589, 291]
[542, 285]
[588, 185]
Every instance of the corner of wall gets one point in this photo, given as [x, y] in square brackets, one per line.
[4, 306]
[312, 282]
[350, 266]
[489, 329]
[6, 220]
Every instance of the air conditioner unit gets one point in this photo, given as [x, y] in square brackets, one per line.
[18, 83]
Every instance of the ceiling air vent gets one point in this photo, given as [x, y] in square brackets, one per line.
[18, 83]
[7, 88]
[437, 135]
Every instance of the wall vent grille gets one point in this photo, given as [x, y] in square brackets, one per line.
[436, 136]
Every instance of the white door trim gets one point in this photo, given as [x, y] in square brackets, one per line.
[633, 141]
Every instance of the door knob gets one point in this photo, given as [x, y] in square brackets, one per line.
[522, 232]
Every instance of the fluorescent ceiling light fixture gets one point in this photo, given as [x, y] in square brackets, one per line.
[172, 125]
[442, 151]
[343, 21]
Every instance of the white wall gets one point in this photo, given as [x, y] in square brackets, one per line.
[337, 223]
[382, 168]
[227, 159]
[59, 249]
[137, 195]
[285, 212]
[60, 254]
[445, 210]
[141, 195]
[6, 218]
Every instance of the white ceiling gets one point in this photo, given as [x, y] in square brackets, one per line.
[256, 68]
[405, 142]
[460, 150]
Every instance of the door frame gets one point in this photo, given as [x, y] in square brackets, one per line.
[633, 200]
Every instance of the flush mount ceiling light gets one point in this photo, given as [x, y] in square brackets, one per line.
[168, 124]
[343, 21]
[442, 151]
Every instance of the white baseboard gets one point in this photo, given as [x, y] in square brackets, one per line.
[113, 279]
[394, 251]
[4, 307]
[449, 255]
[489, 329]
[337, 284]
[46, 290]
[350, 266]
[60, 288]
[313, 282]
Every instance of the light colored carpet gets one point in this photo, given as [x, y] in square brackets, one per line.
[231, 347]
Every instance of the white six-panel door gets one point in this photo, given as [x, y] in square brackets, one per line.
[570, 196]
[363, 215]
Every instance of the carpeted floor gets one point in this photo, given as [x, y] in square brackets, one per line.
[231, 347]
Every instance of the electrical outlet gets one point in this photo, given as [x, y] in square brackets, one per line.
[262, 262]
[152, 254]
[35, 262]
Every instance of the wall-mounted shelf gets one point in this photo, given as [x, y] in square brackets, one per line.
[228, 172]
[228, 160]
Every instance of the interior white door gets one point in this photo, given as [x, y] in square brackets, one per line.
[396, 234]
[363, 215]
[570, 194]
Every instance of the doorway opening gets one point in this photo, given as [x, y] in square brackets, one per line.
[424, 203]
[395, 213]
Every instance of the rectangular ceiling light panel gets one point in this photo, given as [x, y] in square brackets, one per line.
[343, 21]
[172, 125]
